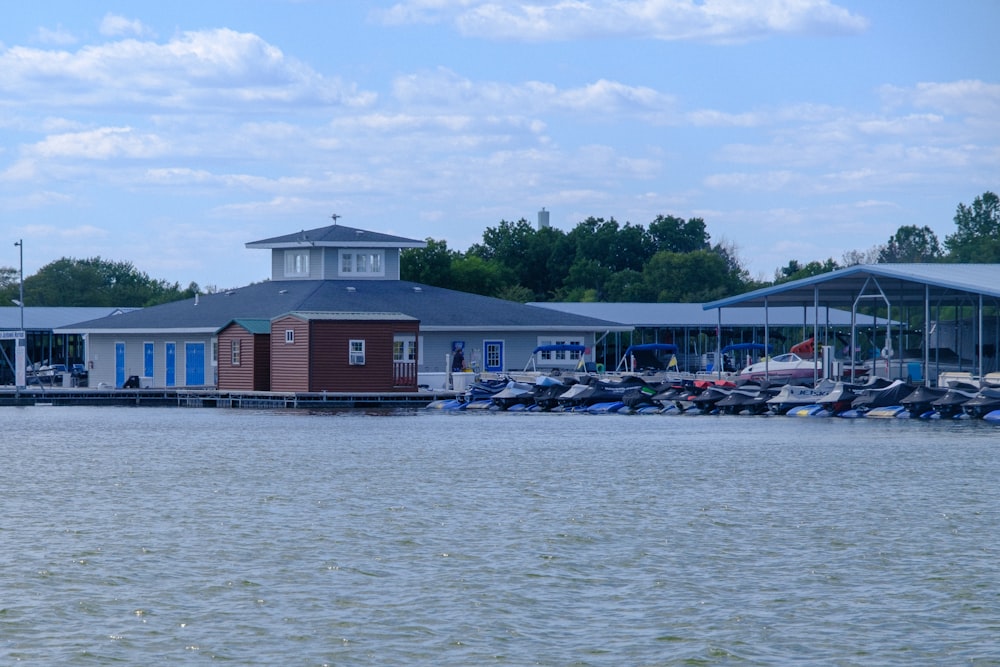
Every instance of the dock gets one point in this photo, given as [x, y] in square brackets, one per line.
[213, 398]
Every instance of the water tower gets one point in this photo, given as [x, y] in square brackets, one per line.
[543, 218]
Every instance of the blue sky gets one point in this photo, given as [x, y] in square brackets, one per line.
[170, 134]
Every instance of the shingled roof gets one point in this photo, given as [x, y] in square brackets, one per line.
[337, 236]
[438, 309]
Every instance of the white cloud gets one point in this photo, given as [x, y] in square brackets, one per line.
[708, 20]
[100, 144]
[966, 97]
[194, 70]
[114, 25]
[443, 88]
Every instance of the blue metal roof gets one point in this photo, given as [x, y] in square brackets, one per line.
[902, 283]
[694, 315]
[52, 317]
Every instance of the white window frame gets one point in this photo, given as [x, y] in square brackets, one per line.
[560, 356]
[234, 352]
[296, 263]
[356, 352]
[404, 349]
[367, 263]
[290, 336]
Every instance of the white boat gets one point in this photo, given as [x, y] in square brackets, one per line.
[787, 368]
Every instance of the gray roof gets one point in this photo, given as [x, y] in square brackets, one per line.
[694, 315]
[46, 318]
[346, 316]
[337, 236]
[903, 284]
[253, 326]
[438, 309]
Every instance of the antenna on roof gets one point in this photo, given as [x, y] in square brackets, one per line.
[335, 217]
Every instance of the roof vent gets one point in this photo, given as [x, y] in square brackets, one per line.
[417, 288]
[282, 291]
[351, 289]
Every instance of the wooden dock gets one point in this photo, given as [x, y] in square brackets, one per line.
[213, 398]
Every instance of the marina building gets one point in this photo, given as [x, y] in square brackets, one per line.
[330, 278]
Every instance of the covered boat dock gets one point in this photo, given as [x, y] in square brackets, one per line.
[937, 317]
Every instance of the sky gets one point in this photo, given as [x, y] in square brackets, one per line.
[171, 134]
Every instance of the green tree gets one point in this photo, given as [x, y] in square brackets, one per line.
[613, 247]
[678, 235]
[535, 259]
[702, 275]
[627, 285]
[471, 273]
[911, 244]
[795, 270]
[96, 282]
[430, 265]
[585, 274]
[977, 231]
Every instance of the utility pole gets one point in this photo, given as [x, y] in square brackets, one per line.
[20, 353]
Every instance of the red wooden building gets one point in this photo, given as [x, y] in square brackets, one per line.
[244, 362]
[343, 352]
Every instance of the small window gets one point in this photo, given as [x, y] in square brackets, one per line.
[404, 348]
[296, 263]
[362, 264]
[289, 336]
[357, 353]
[234, 351]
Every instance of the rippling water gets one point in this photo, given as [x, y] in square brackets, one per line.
[185, 536]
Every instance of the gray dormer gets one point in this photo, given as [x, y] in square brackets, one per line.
[335, 253]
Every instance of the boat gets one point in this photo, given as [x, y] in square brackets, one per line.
[750, 397]
[674, 393]
[983, 403]
[918, 403]
[950, 404]
[840, 398]
[591, 390]
[639, 399]
[787, 368]
[795, 396]
[872, 396]
[515, 393]
[547, 395]
[706, 400]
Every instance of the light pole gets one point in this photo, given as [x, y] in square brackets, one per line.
[20, 246]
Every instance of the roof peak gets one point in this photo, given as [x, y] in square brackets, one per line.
[336, 235]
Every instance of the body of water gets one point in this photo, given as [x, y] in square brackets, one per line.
[189, 536]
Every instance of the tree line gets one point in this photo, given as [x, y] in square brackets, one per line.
[669, 260]
[92, 282]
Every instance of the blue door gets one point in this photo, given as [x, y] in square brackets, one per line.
[119, 364]
[147, 360]
[493, 355]
[170, 359]
[194, 364]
